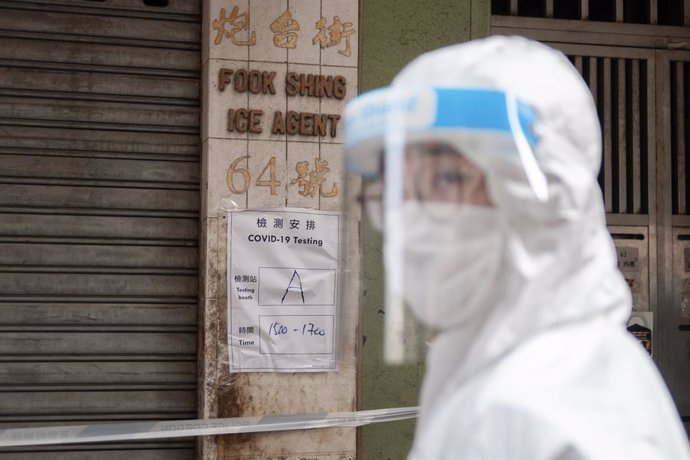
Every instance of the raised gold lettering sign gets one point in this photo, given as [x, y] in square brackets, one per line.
[285, 30]
[243, 80]
[310, 181]
[243, 120]
[271, 182]
[315, 85]
[313, 181]
[292, 123]
[234, 169]
[239, 23]
[334, 34]
[305, 124]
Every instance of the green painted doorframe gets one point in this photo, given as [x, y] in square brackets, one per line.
[393, 33]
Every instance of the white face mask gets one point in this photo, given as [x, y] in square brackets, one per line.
[451, 257]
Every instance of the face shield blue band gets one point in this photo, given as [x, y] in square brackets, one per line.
[487, 112]
[466, 117]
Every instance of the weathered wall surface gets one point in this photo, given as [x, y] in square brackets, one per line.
[266, 147]
[393, 33]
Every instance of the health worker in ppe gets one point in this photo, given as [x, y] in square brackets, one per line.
[479, 164]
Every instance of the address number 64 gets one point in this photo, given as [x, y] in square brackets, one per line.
[246, 177]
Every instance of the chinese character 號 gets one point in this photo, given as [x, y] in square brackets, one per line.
[278, 222]
[261, 222]
[311, 225]
[239, 22]
[284, 31]
[294, 224]
[337, 31]
[311, 181]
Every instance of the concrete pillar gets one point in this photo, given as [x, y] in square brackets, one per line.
[257, 55]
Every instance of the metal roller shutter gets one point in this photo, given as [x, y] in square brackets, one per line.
[99, 199]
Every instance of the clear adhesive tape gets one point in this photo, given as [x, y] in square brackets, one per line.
[70, 434]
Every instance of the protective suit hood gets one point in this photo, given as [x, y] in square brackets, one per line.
[556, 252]
[543, 368]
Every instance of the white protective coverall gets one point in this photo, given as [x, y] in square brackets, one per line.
[543, 368]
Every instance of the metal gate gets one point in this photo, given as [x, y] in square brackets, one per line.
[629, 55]
[99, 199]
[674, 225]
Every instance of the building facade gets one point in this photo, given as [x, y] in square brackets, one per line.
[132, 128]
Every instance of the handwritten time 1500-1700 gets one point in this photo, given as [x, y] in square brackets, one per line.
[308, 329]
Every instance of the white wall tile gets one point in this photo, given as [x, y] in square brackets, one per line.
[261, 154]
[333, 154]
[221, 101]
[307, 12]
[220, 154]
[263, 13]
[269, 103]
[347, 14]
[222, 47]
[337, 106]
[297, 194]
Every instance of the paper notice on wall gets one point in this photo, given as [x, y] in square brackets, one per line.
[283, 275]
[641, 326]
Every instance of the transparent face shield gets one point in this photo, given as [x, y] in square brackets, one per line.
[422, 154]
[433, 173]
